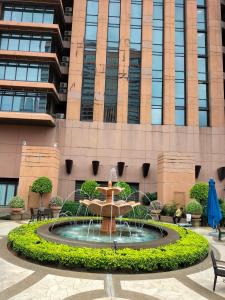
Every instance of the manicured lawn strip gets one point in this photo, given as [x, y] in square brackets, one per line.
[190, 249]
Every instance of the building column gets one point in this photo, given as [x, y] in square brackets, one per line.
[146, 62]
[101, 61]
[175, 177]
[124, 51]
[215, 64]
[37, 161]
[169, 63]
[191, 63]
[76, 61]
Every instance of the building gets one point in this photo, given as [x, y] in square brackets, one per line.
[88, 83]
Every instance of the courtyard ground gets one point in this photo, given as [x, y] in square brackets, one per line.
[23, 280]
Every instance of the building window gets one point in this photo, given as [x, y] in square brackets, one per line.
[134, 77]
[157, 62]
[23, 101]
[24, 72]
[203, 99]
[112, 62]
[8, 189]
[24, 42]
[180, 101]
[89, 64]
[28, 14]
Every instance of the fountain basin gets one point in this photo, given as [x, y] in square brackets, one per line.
[49, 232]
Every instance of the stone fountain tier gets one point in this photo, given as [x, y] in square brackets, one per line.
[105, 209]
[109, 211]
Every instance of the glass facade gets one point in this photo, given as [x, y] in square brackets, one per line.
[112, 62]
[157, 62]
[134, 77]
[23, 101]
[24, 72]
[180, 102]
[202, 65]
[89, 64]
[33, 14]
[7, 191]
[24, 42]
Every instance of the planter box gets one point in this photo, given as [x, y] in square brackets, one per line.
[56, 211]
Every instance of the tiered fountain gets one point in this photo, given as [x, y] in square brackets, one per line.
[109, 209]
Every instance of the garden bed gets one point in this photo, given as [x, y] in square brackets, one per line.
[190, 249]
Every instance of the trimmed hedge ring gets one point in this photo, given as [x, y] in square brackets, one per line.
[190, 249]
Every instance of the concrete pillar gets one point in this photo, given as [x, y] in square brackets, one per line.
[76, 61]
[37, 161]
[122, 100]
[146, 68]
[175, 177]
[215, 64]
[101, 61]
[191, 63]
[169, 63]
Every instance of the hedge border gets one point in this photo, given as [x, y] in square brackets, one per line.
[190, 249]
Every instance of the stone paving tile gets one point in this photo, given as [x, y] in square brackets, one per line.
[53, 287]
[6, 226]
[164, 289]
[11, 274]
[206, 278]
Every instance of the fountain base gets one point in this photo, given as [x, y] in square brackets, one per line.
[108, 225]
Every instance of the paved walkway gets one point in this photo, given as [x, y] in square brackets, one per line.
[22, 280]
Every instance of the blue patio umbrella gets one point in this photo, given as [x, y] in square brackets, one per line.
[214, 212]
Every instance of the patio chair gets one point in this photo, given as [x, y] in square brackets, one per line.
[34, 214]
[188, 222]
[221, 232]
[219, 268]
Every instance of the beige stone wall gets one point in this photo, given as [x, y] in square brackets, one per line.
[175, 177]
[37, 161]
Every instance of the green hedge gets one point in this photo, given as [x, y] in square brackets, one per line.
[190, 249]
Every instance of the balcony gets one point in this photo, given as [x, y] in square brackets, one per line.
[34, 57]
[38, 28]
[25, 118]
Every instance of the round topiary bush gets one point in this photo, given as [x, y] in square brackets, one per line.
[88, 189]
[194, 208]
[200, 192]
[126, 192]
[190, 249]
[16, 202]
[42, 185]
[222, 207]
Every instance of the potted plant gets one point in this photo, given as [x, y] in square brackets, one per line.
[56, 204]
[195, 209]
[16, 204]
[42, 185]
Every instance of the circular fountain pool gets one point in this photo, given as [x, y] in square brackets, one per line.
[124, 234]
[81, 233]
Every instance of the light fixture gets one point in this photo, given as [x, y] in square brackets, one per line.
[95, 166]
[197, 170]
[69, 165]
[145, 169]
[120, 167]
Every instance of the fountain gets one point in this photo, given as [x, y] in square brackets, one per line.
[109, 209]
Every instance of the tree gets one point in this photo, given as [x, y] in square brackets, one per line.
[42, 185]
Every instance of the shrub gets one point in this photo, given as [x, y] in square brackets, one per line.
[74, 208]
[126, 192]
[42, 185]
[200, 192]
[194, 208]
[169, 210]
[88, 189]
[139, 212]
[222, 207]
[56, 201]
[191, 248]
[148, 197]
[16, 202]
